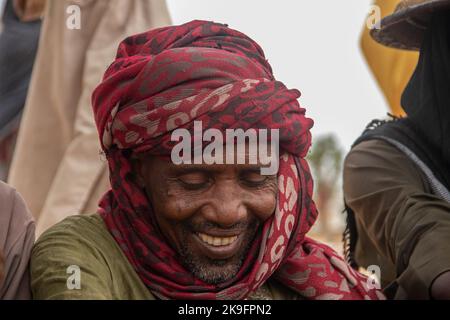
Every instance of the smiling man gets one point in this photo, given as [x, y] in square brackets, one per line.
[195, 230]
[231, 202]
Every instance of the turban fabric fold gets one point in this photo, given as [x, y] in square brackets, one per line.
[166, 79]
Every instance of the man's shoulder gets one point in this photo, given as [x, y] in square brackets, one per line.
[81, 236]
[375, 146]
[382, 155]
[13, 208]
[5, 190]
[83, 245]
[386, 158]
[78, 226]
[78, 223]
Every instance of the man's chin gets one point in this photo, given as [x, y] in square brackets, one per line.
[216, 272]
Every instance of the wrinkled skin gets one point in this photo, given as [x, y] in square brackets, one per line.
[217, 200]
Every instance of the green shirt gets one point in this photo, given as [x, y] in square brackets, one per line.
[85, 243]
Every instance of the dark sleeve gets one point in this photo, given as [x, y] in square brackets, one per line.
[405, 222]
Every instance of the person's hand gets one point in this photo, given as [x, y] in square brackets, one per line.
[440, 289]
[2, 267]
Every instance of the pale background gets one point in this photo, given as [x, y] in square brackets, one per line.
[312, 46]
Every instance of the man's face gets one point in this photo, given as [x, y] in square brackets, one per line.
[209, 214]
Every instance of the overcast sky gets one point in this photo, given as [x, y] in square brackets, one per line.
[312, 46]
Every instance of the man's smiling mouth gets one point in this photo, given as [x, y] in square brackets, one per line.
[218, 247]
[216, 241]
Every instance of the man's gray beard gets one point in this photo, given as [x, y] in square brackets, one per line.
[210, 271]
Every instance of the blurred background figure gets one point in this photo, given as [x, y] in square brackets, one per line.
[57, 166]
[396, 177]
[16, 240]
[19, 36]
[392, 68]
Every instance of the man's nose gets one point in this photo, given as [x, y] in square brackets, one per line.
[227, 206]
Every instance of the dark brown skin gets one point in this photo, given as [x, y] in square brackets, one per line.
[440, 289]
[217, 200]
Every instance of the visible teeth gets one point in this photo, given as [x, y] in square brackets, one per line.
[217, 241]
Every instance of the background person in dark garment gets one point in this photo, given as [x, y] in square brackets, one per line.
[397, 177]
[21, 22]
